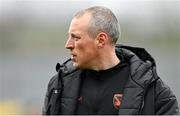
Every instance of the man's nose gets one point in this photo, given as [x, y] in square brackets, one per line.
[69, 44]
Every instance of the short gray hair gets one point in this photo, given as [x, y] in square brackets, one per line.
[102, 20]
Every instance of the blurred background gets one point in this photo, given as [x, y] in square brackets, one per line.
[33, 34]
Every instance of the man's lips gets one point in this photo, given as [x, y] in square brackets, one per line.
[73, 56]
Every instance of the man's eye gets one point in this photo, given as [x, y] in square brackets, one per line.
[76, 39]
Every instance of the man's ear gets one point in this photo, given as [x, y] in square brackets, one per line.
[102, 39]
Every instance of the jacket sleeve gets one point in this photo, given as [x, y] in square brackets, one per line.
[45, 108]
[165, 101]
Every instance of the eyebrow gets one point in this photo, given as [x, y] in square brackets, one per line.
[74, 35]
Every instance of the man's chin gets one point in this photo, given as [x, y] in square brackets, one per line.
[75, 65]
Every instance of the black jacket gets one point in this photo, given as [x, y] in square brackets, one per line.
[144, 93]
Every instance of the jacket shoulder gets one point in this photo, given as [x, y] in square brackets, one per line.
[166, 102]
[52, 81]
[142, 65]
[45, 109]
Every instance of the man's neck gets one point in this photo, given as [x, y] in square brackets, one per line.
[106, 61]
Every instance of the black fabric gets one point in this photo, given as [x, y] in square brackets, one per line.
[149, 100]
[99, 87]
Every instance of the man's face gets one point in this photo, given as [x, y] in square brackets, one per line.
[83, 48]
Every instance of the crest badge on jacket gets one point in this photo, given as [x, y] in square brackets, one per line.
[117, 99]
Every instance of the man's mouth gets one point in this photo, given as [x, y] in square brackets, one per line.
[73, 57]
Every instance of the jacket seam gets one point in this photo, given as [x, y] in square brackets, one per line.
[166, 98]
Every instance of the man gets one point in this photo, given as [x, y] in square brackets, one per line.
[104, 78]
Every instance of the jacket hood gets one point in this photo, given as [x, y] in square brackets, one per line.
[142, 64]
[130, 51]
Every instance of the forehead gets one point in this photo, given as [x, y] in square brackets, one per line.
[80, 23]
